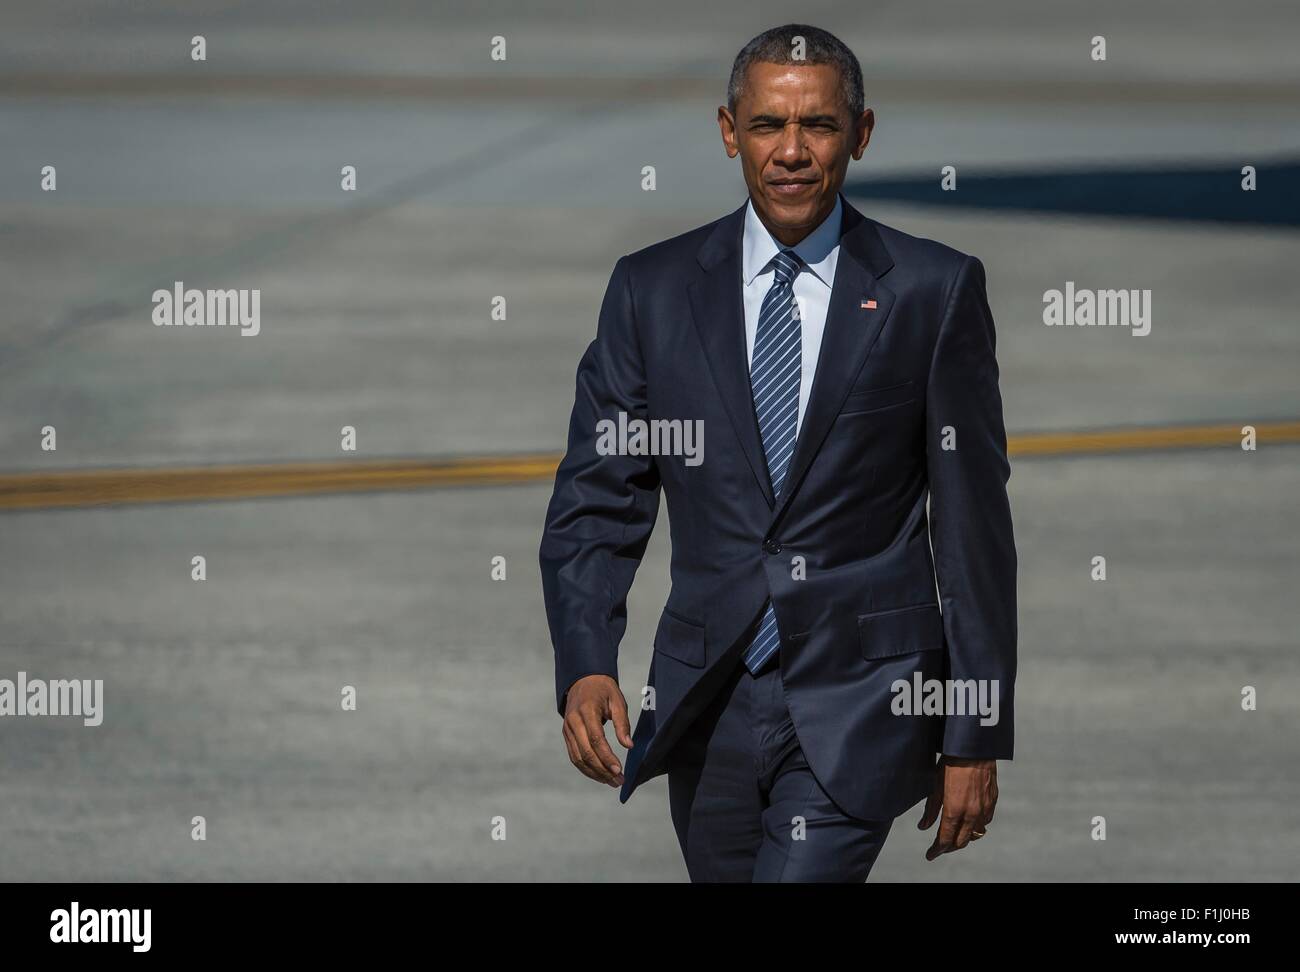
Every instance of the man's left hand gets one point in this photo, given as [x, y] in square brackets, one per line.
[967, 791]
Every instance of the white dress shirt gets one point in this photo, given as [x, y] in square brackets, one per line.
[820, 250]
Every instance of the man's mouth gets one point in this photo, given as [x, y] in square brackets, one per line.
[790, 187]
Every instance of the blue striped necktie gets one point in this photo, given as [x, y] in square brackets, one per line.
[774, 374]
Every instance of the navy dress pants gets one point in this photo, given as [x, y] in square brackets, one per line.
[746, 806]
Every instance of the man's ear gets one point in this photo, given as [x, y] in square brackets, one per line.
[862, 132]
[727, 125]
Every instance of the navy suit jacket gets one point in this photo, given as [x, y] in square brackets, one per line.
[904, 408]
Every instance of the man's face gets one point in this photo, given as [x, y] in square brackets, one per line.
[795, 136]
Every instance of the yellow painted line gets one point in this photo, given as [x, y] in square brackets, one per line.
[110, 487]
[1149, 438]
[97, 487]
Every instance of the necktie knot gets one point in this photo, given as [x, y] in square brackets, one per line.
[786, 266]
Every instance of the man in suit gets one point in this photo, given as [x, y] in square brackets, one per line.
[841, 535]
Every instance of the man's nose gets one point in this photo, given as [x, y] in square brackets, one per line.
[792, 150]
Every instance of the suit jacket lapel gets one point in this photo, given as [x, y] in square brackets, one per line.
[718, 310]
[850, 332]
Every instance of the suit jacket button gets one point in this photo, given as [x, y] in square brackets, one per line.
[771, 546]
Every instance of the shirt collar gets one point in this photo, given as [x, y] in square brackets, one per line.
[817, 249]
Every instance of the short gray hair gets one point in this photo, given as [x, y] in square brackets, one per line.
[775, 46]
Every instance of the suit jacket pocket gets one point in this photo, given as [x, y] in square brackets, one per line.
[900, 631]
[680, 639]
[872, 399]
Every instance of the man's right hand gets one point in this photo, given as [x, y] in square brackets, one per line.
[591, 701]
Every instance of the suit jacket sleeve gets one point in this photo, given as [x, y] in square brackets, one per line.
[970, 516]
[604, 506]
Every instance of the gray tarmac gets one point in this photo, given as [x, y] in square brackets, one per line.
[222, 697]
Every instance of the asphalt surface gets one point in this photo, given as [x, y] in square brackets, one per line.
[523, 180]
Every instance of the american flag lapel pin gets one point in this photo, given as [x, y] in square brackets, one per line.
[868, 305]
